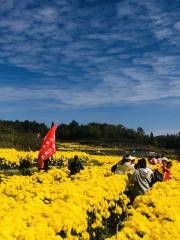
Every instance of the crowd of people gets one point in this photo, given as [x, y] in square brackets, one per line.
[141, 176]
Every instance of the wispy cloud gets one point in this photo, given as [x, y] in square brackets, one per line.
[92, 54]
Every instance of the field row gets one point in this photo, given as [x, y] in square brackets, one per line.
[11, 158]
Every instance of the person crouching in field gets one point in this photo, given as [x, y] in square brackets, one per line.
[124, 166]
[140, 180]
[75, 166]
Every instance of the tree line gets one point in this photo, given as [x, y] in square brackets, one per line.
[21, 135]
[103, 132]
[28, 134]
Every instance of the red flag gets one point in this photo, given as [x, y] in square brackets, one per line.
[48, 147]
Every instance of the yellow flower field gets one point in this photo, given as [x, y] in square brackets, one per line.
[85, 206]
[12, 157]
[47, 204]
[155, 215]
[54, 206]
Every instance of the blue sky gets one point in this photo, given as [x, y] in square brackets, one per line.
[105, 61]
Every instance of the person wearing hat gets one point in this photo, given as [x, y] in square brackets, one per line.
[130, 162]
[161, 159]
[124, 166]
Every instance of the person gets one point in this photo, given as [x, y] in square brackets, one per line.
[157, 176]
[163, 165]
[130, 162]
[152, 160]
[46, 165]
[167, 175]
[161, 159]
[141, 178]
[75, 166]
[125, 165]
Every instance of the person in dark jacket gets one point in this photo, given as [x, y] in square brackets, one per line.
[75, 165]
[46, 165]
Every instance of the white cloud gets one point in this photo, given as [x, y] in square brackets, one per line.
[106, 62]
[177, 25]
[47, 14]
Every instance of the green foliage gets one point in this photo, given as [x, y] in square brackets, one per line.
[28, 135]
[21, 135]
[96, 132]
[103, 132]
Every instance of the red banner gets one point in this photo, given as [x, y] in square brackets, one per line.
[48, 147]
